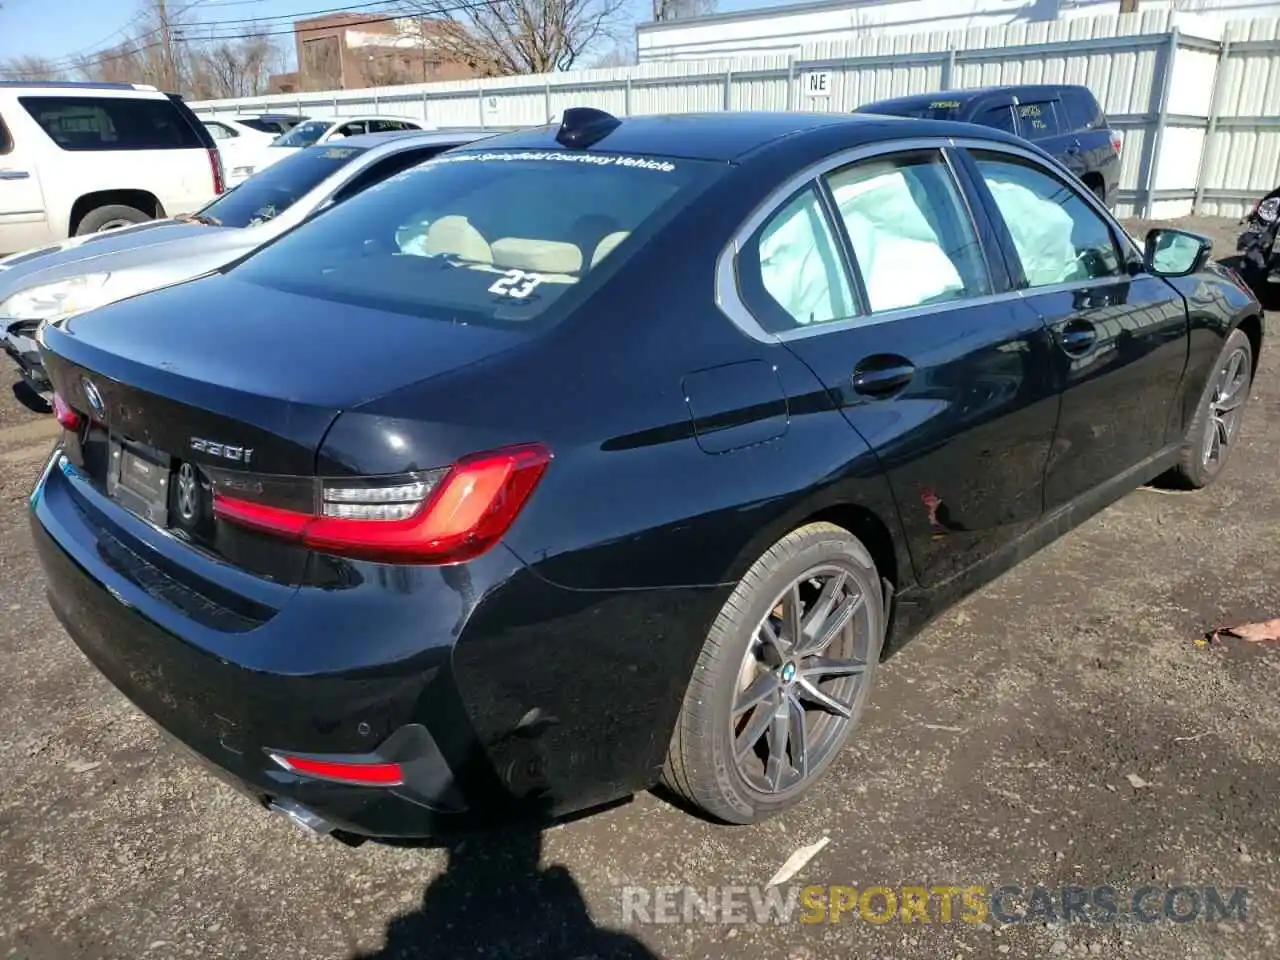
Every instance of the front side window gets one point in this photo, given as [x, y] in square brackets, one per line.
[270, 193]
[491, 237]
[1058, 237]
[219, 132]
[791, 270]
[912, 236]
[303, 135]
[6, 141]
[112, 123]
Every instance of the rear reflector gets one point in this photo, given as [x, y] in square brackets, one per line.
[65, 415]
[441, 516]
[358, 774]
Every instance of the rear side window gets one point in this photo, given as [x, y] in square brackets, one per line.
[999, 117]
[911, 232]
[495, 237]
[1082, 110]
[791, 271]
[1039, 119]
[112, 123]
[382, 169]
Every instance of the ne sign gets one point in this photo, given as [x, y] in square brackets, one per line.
[817, 84]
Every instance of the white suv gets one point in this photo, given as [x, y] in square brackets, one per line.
[77, 158]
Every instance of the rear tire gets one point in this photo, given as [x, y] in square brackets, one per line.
[110, 217]
[1216, 424]
[762, 717]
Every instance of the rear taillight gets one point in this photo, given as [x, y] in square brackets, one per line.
[441, 516]
[1117, 141]
[373, 774]
[215, 165]
[65, 414]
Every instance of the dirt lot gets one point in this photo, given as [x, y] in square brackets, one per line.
[1060, 727]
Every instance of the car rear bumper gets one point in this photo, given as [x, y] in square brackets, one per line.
[231, 717]
[476, 679]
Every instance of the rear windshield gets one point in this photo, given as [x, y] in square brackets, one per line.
[265, 126]
[279, 187]
[941, 109]
[488, 237]
[303, 135]
[112, 123]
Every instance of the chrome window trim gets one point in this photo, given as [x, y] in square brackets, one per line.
[730, 302]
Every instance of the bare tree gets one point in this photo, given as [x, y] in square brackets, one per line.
[233, 68]
[502, 37]
[165, 50]
[31, 68]
[664, 10]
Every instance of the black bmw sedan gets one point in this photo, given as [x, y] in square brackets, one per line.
[611, 452]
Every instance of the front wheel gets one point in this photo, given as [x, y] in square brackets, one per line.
[1216, 424]
[782, 677]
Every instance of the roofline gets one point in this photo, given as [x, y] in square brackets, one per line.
[768, 13]
[79, 85]
[972, 93]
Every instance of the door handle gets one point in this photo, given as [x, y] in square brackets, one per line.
[882, 375]
[14, 175]
[1078, 337]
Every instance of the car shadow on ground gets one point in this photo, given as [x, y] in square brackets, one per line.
[30, 399]
[496, 899]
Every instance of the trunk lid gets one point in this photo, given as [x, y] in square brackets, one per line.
[236, 380]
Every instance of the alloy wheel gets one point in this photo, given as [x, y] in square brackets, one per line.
[1230, 390]
[802, 681]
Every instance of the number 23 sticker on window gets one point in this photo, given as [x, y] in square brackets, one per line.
[516, 283]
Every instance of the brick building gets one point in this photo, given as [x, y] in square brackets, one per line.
[349, 51]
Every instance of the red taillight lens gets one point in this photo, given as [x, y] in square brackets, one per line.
[358, 774]
[215, 165]
[65, 415]
[1117, 141]
[445, 516]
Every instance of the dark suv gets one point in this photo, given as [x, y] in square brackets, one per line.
[1061, 119]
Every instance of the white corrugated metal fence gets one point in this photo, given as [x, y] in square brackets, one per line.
[1197, 103]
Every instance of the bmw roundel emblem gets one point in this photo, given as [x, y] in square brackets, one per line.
[92, 395]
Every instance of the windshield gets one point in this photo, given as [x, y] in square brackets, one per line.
[492, 237]
[920, 109]
[277, 188]
[303, 135]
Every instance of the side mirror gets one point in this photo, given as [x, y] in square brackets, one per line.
[1175, 253]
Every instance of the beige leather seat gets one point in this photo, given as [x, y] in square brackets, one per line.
[455, 236]
[544, 256]
[607, 245]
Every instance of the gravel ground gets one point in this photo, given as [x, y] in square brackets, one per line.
[1062, 726]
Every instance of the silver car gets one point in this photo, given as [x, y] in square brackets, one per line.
[51, 283]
